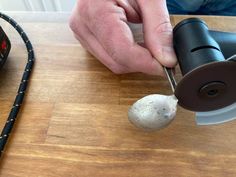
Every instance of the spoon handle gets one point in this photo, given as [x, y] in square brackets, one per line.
[170, 77]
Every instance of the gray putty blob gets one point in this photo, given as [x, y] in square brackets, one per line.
[153, 112]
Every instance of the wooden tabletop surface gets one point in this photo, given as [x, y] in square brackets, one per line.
[74, 119]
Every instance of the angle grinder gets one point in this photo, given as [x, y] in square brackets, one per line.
[207, 62]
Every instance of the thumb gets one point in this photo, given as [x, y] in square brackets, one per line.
[158, 35]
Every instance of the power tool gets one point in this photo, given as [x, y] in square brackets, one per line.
[208, 64]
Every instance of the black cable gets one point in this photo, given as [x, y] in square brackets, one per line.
[23, 85]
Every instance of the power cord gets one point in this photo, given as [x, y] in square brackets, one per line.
[6, 131]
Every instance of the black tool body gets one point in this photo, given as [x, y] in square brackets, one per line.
[208, 81]
[5, 47]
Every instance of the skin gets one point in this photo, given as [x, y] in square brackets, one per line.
[101, 27]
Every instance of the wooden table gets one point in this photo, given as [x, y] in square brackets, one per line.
[74, 119]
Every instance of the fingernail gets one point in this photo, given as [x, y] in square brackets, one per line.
[169, 57]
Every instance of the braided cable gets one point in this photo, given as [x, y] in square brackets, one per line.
[6, 131]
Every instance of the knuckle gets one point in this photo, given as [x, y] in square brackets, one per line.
[115, 55]
[72, 23]
[140, 55]
[117, 70]
[120, 56]
[164, 26]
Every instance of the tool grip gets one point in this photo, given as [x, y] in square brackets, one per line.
[226, 41]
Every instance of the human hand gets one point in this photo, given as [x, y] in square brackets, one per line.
[101, 27]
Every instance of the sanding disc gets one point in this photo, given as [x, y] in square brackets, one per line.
[208, 87]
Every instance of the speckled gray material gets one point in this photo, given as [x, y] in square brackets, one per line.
[153, 112]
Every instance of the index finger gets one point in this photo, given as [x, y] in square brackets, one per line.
[117, 39]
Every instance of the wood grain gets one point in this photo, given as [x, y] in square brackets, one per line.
[74, 119]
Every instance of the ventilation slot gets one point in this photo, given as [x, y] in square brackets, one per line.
[204, 47]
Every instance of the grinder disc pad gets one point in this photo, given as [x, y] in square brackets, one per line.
[208, 87]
